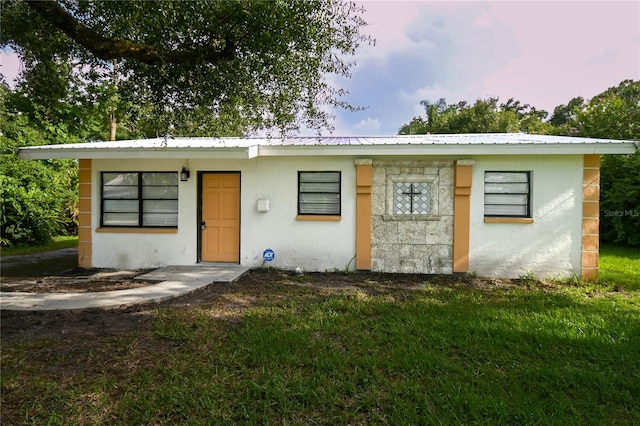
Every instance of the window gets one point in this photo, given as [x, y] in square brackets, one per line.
[411, 198]
[507, 194]
[132, 199]
[319, 193]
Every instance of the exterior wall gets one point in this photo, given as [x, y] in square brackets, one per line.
[407, 243]
[312, 245]
[550, 244]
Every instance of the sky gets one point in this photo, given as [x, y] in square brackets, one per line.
[542, 53]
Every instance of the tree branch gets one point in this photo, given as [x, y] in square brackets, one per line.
[108, 49]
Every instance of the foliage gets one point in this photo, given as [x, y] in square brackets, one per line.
[198, 67]
[38, 198]
[564, 114]
[614, 114]
[620, 199]
[185, 68]
[484, 116]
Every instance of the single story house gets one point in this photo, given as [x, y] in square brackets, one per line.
[501, 205]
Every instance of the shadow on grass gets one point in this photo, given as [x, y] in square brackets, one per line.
[40, 264]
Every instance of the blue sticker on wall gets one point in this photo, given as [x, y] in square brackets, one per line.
[268, 255]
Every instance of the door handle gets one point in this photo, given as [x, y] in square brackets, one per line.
[203, 225]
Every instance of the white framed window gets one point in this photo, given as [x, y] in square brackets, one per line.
[139, 199]
[319, 193]
[507, 194]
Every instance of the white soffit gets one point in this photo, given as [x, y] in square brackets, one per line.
[455, 144]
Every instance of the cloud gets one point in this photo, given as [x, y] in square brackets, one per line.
[369, 124]
[444, 48]
[609, 56]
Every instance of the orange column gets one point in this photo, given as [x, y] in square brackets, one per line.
[84, 215]
[461, 215]
[364, 183]
[590, 217]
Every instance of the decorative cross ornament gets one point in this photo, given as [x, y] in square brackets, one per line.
[411, 193]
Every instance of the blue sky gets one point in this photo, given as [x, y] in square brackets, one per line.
[540, 52]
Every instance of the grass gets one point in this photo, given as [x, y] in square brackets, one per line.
[439, 353]
[620, 266]
[56, 243]
[442, 352]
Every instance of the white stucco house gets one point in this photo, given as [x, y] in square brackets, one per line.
[500, 205]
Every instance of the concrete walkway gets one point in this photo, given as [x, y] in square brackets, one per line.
[174, 281]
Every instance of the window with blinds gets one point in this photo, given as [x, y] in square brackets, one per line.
[140, 199]
[507, 194]
[319, 193]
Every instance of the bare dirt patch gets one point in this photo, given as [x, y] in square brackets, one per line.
[76, 281]
[57, 272]
[51, 273]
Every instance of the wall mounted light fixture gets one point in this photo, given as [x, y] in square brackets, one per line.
[184, 174]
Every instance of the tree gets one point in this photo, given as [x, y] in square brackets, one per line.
[223, 66]
[484, 116]
[564, 114]
[38, 198]
[615, 114]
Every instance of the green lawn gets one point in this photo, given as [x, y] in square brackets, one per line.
[288, 352]
[620, 267]
[55, 244]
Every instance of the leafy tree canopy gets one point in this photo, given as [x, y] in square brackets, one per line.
[37, 198]
[193, 67]
[614, 114]
[484, 116]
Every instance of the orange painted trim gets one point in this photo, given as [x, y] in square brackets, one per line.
[591, 192]
[590, 255]
[84, 234]
[590, 242]
[589, 259]
[364, 185]
[591, 177]
[85, 243]
[590, 209]
[592, 161]
[137, 230]
[463, 177]
[84, 204]
[508, 220]
[590, 226]
[589, 274]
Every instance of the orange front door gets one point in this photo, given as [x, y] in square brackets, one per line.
[220, 225]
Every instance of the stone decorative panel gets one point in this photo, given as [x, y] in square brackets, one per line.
[414, 238]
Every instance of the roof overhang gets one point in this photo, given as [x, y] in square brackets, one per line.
[419, 145]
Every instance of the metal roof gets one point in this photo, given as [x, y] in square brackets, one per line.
[230, 147]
